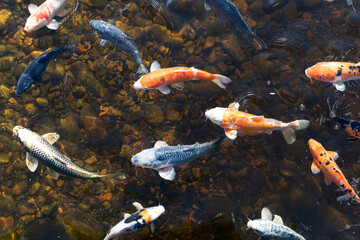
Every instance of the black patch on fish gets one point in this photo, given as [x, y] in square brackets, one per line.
[352, 67]
[134, 217]
[162, 79]
[321, 154]
[319, 162]
[339, 72]
[350, 191]
[353, 83]
[327, 163]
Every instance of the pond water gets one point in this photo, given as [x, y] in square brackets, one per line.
[88, 98]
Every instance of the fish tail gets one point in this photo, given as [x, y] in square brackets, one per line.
[69, 48]
[260, 42]
[332, 112]
[142, 69]
[220, 80]
[119, 176]
[289, 132]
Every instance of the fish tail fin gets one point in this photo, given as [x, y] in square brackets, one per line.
[260, 42]
[220, 80]
[332, 112]
[289, 132]
[119, 176]
[142, 69]
[69, 48]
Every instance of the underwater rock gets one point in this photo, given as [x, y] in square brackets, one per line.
[34, 188]
[20, 187]
[307, 4]
[6, 63]
[46, 229]
[80, 225]
[4, 92]
[231, 44]
[56, 69]
[125, 151]
[30, 108]
[270, 6]
[6, 222]
[42, 101]
[2, 50]
[4, 158]
[330, 220]
[7, 205]
[4, 17]
[70, 125]
[154, 115]
[95, 3]
[95, 127]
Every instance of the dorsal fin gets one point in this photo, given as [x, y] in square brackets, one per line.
[138, 206]
[51, 137]
[234, 106]
[266, 214]
[277, 219]
[155, 66]
[160, 144]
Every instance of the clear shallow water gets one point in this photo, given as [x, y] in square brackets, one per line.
[89, 100]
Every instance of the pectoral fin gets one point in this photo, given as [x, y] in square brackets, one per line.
[138, 206]
[314, 168]
[231, 133]
[333, 155]
[155, 66]
[167, 173]
[327, 180]
[31, 162]
[61, 13]
[160, 144]
[277, 219]
[51, 137]
[339, 86]
[183, 165]
[266, 214]
[53, 174]
[180, 84]
[207, 5]
[102, 42]
[53, 24]
[32, 8]
[164, 89]
[234, 106]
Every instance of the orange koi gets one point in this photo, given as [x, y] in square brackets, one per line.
[235, 121]
[335, 72]
[159, 78]
[325, 161]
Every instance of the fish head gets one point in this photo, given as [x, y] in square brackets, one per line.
[323, 71]
[32, 24]
[146, 159]
[155, 212]
[138, 86]
[23, 84]
[23, 135]
[259, 226]
[315, 147]
[215, 115]
[98, 25]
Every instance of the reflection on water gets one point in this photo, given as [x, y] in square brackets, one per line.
[89, 100]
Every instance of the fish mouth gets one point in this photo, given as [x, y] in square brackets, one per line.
[306, 73]
[16, 130]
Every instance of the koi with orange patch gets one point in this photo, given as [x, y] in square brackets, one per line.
[137, 220]
[159, 78]
[237, 122]
[325, 161]
[352, 127]
[43, 15]
[335, 72]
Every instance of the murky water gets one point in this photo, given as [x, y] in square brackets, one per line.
[89, 100]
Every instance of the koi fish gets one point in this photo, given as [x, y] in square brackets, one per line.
[352, 127]
[335, 72]
[230, 12]
[137, 220]
[108, 31]
[272, 226]
[43, 15]
[237, 122]
[163, 157]
[40, 148]
[159, 78]
[38, 66]
[325, 161]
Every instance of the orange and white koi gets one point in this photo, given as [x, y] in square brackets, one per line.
[335, 72]
[43, 15]
[159, 78]
[237, 122]
[135, 221]
[325, 161]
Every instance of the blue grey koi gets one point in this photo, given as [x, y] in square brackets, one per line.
[163, 157]
[230, 12]
[110, 32]
[38, 66]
